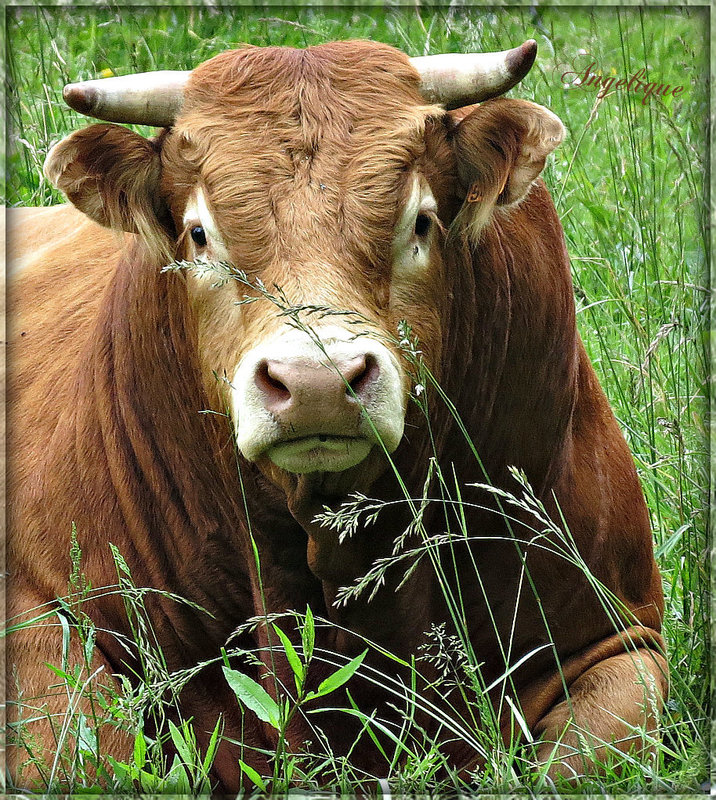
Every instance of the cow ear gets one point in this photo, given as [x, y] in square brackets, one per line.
[111, 174]
[501, 147]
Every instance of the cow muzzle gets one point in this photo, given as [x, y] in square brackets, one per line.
[318, 404]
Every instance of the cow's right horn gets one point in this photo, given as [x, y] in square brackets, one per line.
[461, 79]
[147, 98]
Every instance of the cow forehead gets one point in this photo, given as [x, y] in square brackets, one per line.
[341, 91]
[285, 167]
[333, 77]
[300, 153]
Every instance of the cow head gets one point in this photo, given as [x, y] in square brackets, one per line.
[336, 174]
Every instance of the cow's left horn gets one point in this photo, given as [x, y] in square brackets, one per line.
[460, 79]
[147, 98]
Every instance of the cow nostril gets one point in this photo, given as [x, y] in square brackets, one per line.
[361, 382]
[270, 384]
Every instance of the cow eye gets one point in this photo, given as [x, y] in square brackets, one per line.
[423, 223]
[198, 235]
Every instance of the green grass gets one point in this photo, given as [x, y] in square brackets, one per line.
[628, 184]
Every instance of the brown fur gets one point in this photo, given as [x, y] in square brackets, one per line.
[305, 158]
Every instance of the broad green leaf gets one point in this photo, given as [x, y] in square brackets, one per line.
[177, 781]
[181, 744]
[253, 776]
[254, 696]
[140, 749]
[70, 680]
[299, 670]
[126, 773]
[87, 740]
[149, 782]
[211, 748]
[339, 677]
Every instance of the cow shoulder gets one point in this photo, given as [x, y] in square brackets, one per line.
[33, 235]
[59, 265]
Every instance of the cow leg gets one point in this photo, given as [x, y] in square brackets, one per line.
[613, 706]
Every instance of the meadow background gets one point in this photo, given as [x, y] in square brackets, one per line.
[628, 183]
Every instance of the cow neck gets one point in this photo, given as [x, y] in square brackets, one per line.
[139, 427]
[520, 390]
[310, 564]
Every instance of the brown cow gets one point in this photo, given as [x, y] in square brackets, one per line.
[336, 174]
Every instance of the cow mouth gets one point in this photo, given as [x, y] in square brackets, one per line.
[319, 453]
